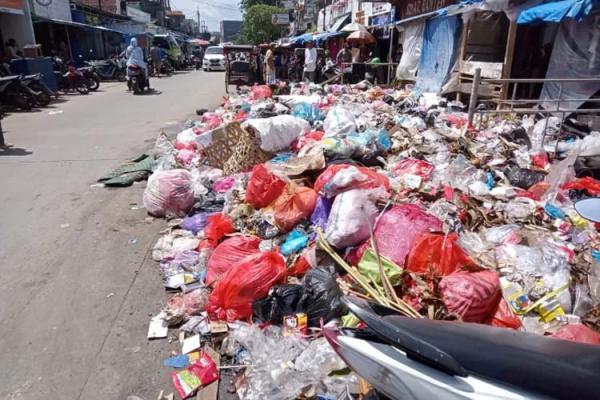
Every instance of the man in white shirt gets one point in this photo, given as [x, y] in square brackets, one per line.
[310, 62]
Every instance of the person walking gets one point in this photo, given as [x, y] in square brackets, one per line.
[310, 62]
[270, 67]
[156, 58]
[344, 56]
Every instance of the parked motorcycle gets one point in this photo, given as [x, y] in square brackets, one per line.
[197, 61]
[166, 68]
[69, 78]
[91, 77]
[406, 358]
[44, 94]
[136, 79]
[111, 69]
[14, 93]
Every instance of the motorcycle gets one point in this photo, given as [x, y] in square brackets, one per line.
[69, 78]
[14, 93]
[197, 62]
[136, 79]
[111, 69]
[35, 83]
[407, 358]
[166, 68]
[91, 77]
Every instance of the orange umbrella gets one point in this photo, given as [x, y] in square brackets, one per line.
[361, 37]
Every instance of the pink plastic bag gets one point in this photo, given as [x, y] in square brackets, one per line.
[473, 296]
[223, 185]
[260, 92]
[396, 232]
[339, 178]
[169, 193]
[577, 333]
[412, 166]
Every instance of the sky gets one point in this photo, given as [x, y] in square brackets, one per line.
[211, 11]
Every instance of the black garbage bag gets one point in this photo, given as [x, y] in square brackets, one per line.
[518, 136]
[523, 178]
[322, 296]
[282, 300]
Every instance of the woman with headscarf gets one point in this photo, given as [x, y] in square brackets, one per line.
[135, 55]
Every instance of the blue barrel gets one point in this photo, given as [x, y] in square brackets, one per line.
[41, 65]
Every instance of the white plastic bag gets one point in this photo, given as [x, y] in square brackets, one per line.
[169, 193]
[277, 133]
[339, 121]
[352, 216]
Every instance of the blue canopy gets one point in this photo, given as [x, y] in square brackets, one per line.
[321, 37]
[301, 39]
[557, 11]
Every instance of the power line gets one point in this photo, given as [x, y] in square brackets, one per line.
[223, 7]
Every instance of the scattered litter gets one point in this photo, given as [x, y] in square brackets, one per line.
[64, 226]
[158, 328]
[55, 112]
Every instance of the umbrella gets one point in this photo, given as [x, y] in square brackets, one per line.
[354, 27]
[199, 42]
[361, 37]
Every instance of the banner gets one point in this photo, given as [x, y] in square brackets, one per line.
[11, 6]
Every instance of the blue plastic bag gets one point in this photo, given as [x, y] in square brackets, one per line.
[308, 112]
[321, 212]
[195, 223]
[295, 241]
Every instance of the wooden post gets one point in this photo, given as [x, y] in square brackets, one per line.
[508, 57]
[461, 56]
[389, 77]
[474, 92]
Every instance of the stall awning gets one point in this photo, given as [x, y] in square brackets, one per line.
[301, 39]
[557, 11]
[39, 20]
[321, 37]
[340, 23]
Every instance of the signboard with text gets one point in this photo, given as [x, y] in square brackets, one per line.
[280, 19]
[411, 8]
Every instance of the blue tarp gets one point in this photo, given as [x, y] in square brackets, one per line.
[321, 37]
[440, 44]
[301, 39]
[557, 11]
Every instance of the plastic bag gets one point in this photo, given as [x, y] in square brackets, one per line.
[589, 184]
[249, 280]
[223, 185]
[277, 133]
[504, 317]
[412, 166]
[228, 254]
[308, 112]
[504, 234]
[339, 121]
[396, 232]
[282, 300]
[164, 153]
[263, 187]
[195, 223]
[321, 213]
[186, 157]
[438, 255]
[523, 178]
[260, 92]
[352, 215]
[369, 268]
[201, 373]
[295, 241]
[169, 193]
[339, 178]
[218, 226]
[577, 333]
[293, 205]
[182, 306]
[473, 296]
[324, 296]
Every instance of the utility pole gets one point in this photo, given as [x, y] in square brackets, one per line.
[198, 17]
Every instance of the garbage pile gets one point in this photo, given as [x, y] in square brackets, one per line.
[278, 207]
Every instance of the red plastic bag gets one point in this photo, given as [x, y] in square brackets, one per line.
[312, 136]
[201, 373]
[300, 267]
[293, 205]
[228, 254]
[504, 317]
[263, 187]
[412, 166]
[577, 333]
[589, 184]
[260, 92]
[338, 178]
[396, 232]
[218, 226]
[438, 255]
[473, 296]
[245, 282]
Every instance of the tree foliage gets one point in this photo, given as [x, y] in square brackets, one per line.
[257, 27]
[246, 4]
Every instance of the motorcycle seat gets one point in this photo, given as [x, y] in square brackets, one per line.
[542, 365]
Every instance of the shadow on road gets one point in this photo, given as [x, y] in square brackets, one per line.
[14, 151]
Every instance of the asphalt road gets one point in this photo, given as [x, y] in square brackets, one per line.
[77, 283]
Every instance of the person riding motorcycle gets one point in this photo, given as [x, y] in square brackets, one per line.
[135, 56]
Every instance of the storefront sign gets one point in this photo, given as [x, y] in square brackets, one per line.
[138, 15]
[280, 19]
[11, 6]
[412, 8]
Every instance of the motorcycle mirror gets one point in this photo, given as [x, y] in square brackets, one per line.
[589, 208]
